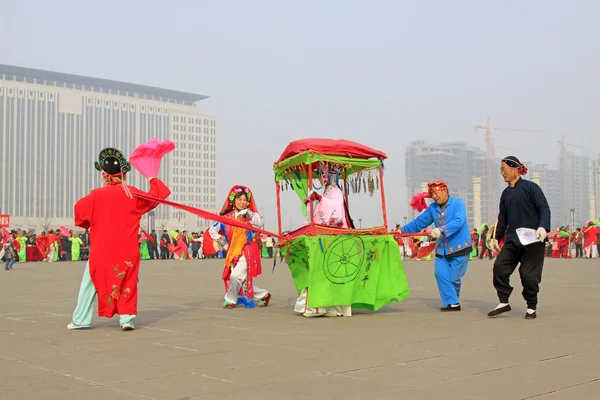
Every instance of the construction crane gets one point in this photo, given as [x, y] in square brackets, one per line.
[563, 171]
[489, 146]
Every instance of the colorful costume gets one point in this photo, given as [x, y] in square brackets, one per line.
[144, 253]
[22, 251]
[242, 263]
[76, 243]
[591, 240]
[180, 251]
[112, 271]
[42, 244]
[564, 238]
[452, 247]
[330, 211]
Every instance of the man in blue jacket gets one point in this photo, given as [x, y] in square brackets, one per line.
[449, 215]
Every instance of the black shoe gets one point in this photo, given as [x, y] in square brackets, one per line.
[450, 308]
[499, 311]
[530, 316]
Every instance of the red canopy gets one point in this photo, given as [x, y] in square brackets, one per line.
[336, 147]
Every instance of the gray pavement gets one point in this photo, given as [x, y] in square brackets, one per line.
[186, 346]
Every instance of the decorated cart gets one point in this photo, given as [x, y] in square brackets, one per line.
[360, 267]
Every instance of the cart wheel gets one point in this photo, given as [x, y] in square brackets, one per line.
[343, 259]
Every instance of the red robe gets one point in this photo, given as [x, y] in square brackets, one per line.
[181, 250]
[208, 247]
[590, 235]
[42, 245]
[112, 216]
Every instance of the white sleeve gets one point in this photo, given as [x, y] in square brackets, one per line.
[256, 221]
[214, 231]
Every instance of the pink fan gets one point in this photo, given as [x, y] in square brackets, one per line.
[418, 201]
[146, 157]
[65, 231]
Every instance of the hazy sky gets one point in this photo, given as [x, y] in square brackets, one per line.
[382, 73]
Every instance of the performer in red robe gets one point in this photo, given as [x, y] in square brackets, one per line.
[590, 240]
[112, 271]
[180, 252]
[42, 244]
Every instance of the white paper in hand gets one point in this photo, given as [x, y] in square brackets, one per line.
[527, 236]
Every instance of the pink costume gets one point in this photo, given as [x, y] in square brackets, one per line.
[330, 208]
[330, 211]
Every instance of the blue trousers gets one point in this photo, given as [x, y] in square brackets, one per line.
[448, 274]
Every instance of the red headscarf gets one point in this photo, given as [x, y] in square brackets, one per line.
[230, 200]
[418, 201]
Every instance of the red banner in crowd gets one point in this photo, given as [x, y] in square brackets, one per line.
[4, 220]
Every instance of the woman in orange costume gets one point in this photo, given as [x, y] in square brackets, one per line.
[242, 263]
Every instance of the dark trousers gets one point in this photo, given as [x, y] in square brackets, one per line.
[578, 250]
[153, 250]
[164, 252]
[270, 252]
[532, 263]
[483, 251]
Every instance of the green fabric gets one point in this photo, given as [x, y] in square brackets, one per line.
[564, 234]
[351, 165]
[22, 249]
[473, 253]
[75, 247]
[264, 253]
[362, 271]
[56, 251]
[298, 180]
[145, 255]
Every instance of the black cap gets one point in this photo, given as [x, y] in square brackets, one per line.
[512, 161]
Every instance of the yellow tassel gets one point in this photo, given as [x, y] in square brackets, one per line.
[377, 256]
[326, 244]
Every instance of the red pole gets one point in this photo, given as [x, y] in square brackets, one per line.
[383, 197]
[278, 189]
[310, 187]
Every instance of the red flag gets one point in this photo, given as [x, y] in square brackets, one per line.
[150, 238]
[425, 249]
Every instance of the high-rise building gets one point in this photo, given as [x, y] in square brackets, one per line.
[575, 188]
[53, 125]
[462, 167]
[595, 189]
[549, 181]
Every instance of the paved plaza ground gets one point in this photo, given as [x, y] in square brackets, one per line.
[186, 346]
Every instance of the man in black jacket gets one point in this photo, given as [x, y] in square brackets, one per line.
[522, 205]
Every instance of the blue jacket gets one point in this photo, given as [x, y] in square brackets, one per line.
[451, 219]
